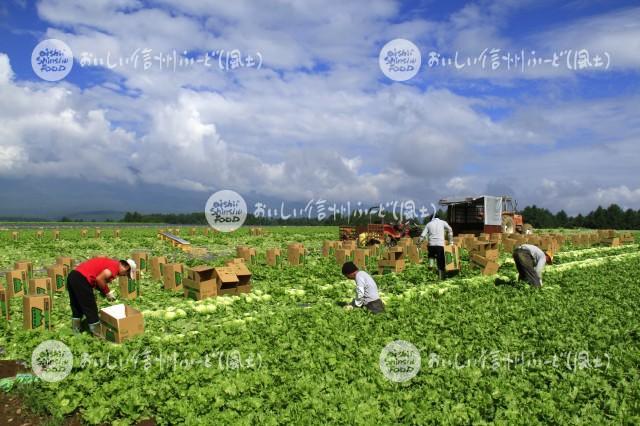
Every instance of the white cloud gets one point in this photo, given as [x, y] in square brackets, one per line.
[336, 134]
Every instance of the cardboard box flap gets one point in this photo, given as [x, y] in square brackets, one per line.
[116, 311]
[201, 273]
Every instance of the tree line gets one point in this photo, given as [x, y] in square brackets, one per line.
[601, 218]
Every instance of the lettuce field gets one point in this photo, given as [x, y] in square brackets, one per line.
[491, 350]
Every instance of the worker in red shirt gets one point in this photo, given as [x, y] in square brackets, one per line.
[92, 274]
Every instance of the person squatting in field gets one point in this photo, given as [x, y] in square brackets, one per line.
[366, 289]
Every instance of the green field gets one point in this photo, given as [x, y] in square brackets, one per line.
[492, 350]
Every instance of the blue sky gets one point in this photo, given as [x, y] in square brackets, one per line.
[319, 119]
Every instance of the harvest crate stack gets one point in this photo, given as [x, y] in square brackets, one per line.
[484, 255]
[392, 261]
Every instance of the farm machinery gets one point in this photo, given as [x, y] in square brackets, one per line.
[485, 214]
[378, 232]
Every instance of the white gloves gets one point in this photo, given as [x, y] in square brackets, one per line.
[111, 296]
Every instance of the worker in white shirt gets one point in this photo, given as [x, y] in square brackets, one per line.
[434, 234]
[530, 261]
[366, 289]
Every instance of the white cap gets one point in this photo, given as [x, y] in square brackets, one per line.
[132, 271]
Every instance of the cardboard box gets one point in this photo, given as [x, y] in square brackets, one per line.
[38, 286]
[129, 288]
[274, 258]
[172, 277]
[116, 233]
[36, 312]
[66, 261]
[41, 286]
[56, 235]
[329, 248]
[242, 273]
[361, 258]
[488, 267]
[246, 253]
[349, 244]
[611, 242]
[451, 258]
[120, 322]
[157, 266]
[414, 255]
[200, 282]
[5, 306]
[97, 233]
[296, 254]
[14, 236]
[39, 234]
[227, 281]
[386, 266]
[395, 253]
[256, 232]
[201, 291]
[17, 282]
[84, 233]
[200, 274]
[141, 258]
[343, 255]
[405, 241]
[26, 265]
[58, 275]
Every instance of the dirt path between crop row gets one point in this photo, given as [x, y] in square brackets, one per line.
[14, 413]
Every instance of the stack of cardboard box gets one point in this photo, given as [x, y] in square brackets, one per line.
[392, 261]
[362, 258]
[549, 244]
[296, 254]
[242, 273]
[485, 254]
[344, 255]
[349, 244]
[626, 238]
